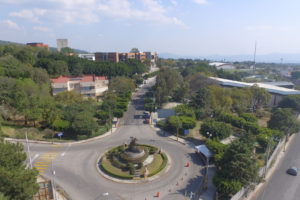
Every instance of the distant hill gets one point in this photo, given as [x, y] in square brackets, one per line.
[53, 49]
[269, 58]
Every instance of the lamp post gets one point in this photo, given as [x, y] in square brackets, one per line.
[207, 159]
[28, 151]
[110, 119]
[177, 125]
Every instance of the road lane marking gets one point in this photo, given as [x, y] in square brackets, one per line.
[64, 153]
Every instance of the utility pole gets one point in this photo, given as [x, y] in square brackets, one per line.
[28, 151]
[177, 125]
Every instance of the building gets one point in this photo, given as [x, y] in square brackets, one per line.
[224, 66]
[284, 84]
[88, 56]
[110, 56]
[88, 85]
[61, 43]
[277, 93]
[116, 57]
[38, 44]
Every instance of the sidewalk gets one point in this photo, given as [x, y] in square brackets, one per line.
[210, 192]
[75, 142]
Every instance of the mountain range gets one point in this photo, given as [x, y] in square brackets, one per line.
[268, 58]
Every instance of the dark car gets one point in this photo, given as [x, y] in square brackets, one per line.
[146, 121]
[292, 171]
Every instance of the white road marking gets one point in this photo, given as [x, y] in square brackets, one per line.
[35, 157]
[64, 153]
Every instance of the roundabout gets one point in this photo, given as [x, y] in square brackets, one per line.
[134, 163]
[78, 166]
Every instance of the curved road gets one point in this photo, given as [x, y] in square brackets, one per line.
[75, 165]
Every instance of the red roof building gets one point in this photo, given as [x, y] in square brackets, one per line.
[88, 85]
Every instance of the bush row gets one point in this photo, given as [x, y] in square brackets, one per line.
[105, 168]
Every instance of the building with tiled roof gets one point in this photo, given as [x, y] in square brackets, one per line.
[88, 85]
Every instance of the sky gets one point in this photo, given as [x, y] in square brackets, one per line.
[182, 27]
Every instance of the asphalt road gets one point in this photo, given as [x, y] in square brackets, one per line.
[75, 165]
[282, 185]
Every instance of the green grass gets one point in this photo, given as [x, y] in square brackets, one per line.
[155, 164]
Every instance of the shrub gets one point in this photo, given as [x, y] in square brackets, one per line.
[248, 117]
[106, 169]
[116, 163]
[188, 122]
[140, 165]
[217, 129]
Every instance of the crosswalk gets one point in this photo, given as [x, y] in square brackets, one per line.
[45, 160]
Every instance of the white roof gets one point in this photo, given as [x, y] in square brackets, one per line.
[204, 150]
[217, 64]
[270, 88]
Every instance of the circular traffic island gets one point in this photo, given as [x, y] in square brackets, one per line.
[133, 161]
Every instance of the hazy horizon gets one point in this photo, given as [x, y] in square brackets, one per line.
[192, 27]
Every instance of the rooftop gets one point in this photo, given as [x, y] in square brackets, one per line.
[86, 78]
[270, 88]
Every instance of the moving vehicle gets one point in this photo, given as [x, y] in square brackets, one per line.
[292, 171]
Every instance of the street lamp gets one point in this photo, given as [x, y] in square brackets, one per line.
[207, 160]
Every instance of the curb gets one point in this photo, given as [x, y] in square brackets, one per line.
[76, 142]
[170, 136]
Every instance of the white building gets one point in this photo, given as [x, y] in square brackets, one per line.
[224, 66]
[61, 43]
[277, 93]
[89, 56]
[89, 85]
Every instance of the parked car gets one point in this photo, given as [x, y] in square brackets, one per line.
[292, 171]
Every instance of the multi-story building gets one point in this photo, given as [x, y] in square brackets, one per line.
[38, 44]
[116, 57]
[61, 43]
[110, 56]
[89, 56]
[88, 85]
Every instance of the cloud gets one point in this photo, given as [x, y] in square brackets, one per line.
[152, 11]
[31, 15]
[174, 2]
[10, 24]
[200, 1]
[41, 28]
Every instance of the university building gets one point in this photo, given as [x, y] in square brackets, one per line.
[88, 85]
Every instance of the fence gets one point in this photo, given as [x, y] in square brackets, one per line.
[244, 191]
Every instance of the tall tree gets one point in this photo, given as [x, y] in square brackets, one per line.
[16, 182]
[283, 119]
[261, 97]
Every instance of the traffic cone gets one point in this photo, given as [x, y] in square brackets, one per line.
[187, 164]
[157, 194]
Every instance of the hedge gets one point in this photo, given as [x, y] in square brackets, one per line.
[115, 175]
[163, 165]
[152, 149]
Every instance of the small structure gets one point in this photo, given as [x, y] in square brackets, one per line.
[204, 152]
